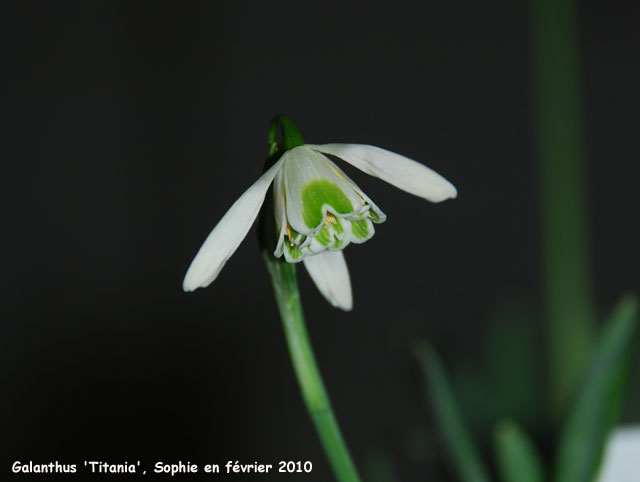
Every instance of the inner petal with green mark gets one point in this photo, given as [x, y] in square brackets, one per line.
[360, 229]
[313, 188]
[323, 208]
[319, 193]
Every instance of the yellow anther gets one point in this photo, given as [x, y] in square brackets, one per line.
[331, 219]
[289, 234]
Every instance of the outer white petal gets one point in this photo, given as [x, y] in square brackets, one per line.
[382, 217]
[402, 172]
[329, 272]
[228, 234]
[622, 456]
[301, 166]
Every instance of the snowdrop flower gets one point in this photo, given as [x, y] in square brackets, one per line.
[318, 212]
[622, 456]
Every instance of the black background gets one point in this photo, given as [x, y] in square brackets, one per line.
[131, 127]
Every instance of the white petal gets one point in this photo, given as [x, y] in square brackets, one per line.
[621, 462]
[301, 168]
[362, 231]
[280, 213]
[382, 217]
[329, 272]
[228, 234]
[402, 172]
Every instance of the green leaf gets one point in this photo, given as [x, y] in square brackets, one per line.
[378, 466]
[466, 458]
[512, 363]
[598, 401]
[561, 151]
[518, 460]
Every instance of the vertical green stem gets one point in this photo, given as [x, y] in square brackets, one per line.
[565, 249]
[285, 287]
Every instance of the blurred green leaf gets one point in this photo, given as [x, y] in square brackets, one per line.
[512, 362]
[565, 248]
[378, 466]
[466, 458]
[598, 401]
[517, 458]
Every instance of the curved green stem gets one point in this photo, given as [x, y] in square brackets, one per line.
[285, 287]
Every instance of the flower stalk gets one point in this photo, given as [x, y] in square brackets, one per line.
[285, 288]
[308, 211]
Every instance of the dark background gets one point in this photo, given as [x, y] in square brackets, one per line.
[130, 128]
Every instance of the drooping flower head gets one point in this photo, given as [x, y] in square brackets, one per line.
[318, 210]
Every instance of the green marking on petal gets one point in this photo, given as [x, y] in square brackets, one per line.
[324, 236]
[338, 243]
[293, 250]
[360, 229]
[336, 224]
[316, 194]
[373, 216]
